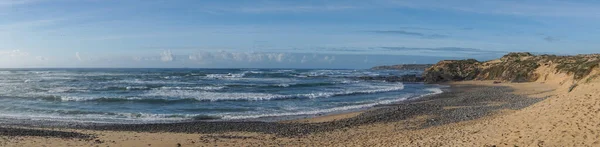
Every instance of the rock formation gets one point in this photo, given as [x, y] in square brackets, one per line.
[452, 70]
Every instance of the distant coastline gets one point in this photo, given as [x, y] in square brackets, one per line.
[420, 67]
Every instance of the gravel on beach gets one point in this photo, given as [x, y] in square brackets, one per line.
[43, 133]
[469, 102]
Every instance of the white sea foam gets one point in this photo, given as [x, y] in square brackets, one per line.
[138, 81]
[175, 93]
[285, 85]
[92, 74]
[75, 98]
[255, 72]
[56, 78]
[109, 90]
[213, 96]
[229, 75]
[67, 97]
[217, 96]
[369, 90]
[136, 87]
[99, 118]
[433, 91]
[340, 73]
[313, 112]
[349, 82]
[285, 71]
[208, 88]
[301, 76]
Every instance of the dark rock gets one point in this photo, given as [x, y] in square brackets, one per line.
[98, 141]
[572, 87]
[42, 133]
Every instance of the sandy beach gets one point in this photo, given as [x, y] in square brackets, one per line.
[471, 113]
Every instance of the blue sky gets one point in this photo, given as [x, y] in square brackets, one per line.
[287, 34]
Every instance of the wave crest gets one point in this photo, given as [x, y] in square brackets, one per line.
[178, 94]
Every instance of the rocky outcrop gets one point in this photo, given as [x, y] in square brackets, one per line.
[419, 67]
[452, 70]
[513, 67]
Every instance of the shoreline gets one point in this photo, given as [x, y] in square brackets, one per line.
[463, 102]
[70, 121]
[52, 123]
[354, 113]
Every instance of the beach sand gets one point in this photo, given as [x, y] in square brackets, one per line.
[474, 113]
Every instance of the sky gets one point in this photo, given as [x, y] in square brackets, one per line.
[287, 33]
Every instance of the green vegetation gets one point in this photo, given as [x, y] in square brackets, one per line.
[579, 66]
[514, 67]
[517, 55]
[452, 70]
[469, 61]
[573, 87]
[589, 80]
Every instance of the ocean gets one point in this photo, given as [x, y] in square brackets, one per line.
[174, 95]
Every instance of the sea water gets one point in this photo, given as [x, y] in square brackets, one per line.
[171, 95]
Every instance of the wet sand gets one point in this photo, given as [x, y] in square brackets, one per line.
[456, 117]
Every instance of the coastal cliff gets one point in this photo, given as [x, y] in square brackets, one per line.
[516, 67]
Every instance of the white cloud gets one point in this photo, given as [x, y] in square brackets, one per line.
[209, 59]
[279, 7]
[224, 56]
[551, 8]
[202, 58]
[304, 59]
[280, 57]
[40, 58]
[78, 56]
[317, 58]
[329, 59]
[14, 53]
[240, 56]
[255, 57]
[545, 8]
[15, 2]
[136, 58]
[167, 56]
[27, 24]
[274, 57]
[304, 8]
